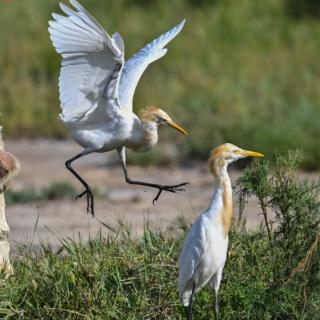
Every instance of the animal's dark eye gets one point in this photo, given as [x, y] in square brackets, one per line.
[161, 120]
[235, 151]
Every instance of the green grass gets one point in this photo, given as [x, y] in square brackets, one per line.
[246, 72]
[271, 273]
[113, 277]
[55, 191]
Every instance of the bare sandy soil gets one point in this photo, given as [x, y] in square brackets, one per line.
[43, 163]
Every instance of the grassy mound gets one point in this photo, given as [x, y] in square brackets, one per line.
[271, 273]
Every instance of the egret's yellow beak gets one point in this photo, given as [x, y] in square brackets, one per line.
[173, 125]
[247, 153]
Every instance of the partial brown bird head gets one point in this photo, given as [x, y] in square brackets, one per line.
[9, 165]
[228, 153]
[160, 117]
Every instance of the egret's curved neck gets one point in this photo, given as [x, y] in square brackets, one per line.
[221, 203]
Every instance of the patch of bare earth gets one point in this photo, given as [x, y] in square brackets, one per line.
[42, 164]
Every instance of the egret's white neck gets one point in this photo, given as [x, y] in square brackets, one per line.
[148, 136]
[221, 202]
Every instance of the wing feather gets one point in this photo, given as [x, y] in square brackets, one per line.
[135, 66]
[192, 251]
[91, 62]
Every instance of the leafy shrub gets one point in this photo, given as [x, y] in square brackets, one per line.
[291, 211]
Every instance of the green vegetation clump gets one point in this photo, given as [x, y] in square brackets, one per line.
[271, 273]
[291, 211]
[55, 191]
[241, 71]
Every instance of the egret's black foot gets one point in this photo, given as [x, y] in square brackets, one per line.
[173, 189]
[90, 200]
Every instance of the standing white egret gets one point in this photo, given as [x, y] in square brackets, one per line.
[205, 249]
[97, 88]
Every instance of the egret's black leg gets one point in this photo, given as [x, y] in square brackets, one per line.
[190, 303]
[216, 306]
[160, 187]
[87, 191]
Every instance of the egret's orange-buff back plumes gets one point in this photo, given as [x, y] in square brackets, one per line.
[204, 251]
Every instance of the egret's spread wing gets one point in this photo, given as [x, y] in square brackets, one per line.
[91, 61]
[136, 65]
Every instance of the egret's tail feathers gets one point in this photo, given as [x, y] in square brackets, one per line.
[185, 292]
[185, 298]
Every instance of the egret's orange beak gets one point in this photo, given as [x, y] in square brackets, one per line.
[173, 125]
[247, 153]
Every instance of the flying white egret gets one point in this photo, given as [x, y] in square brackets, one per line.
[205, 249]
[97, 88]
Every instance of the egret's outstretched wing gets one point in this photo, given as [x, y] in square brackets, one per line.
[91, 61]
[136, 65]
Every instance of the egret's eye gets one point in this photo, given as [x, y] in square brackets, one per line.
[236, 151]
[161, 120]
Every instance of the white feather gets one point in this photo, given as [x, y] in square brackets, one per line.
[135, 66]
[90, 59]
[204, 250]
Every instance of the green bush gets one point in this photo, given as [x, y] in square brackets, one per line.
[291, 211]
[60, 190]
[55, 191]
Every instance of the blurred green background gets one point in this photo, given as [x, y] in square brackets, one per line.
[245, 72]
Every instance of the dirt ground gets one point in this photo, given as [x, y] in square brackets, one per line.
[43, 163]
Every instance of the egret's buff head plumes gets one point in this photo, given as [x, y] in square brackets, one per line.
[160, 117]
[227, 153]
